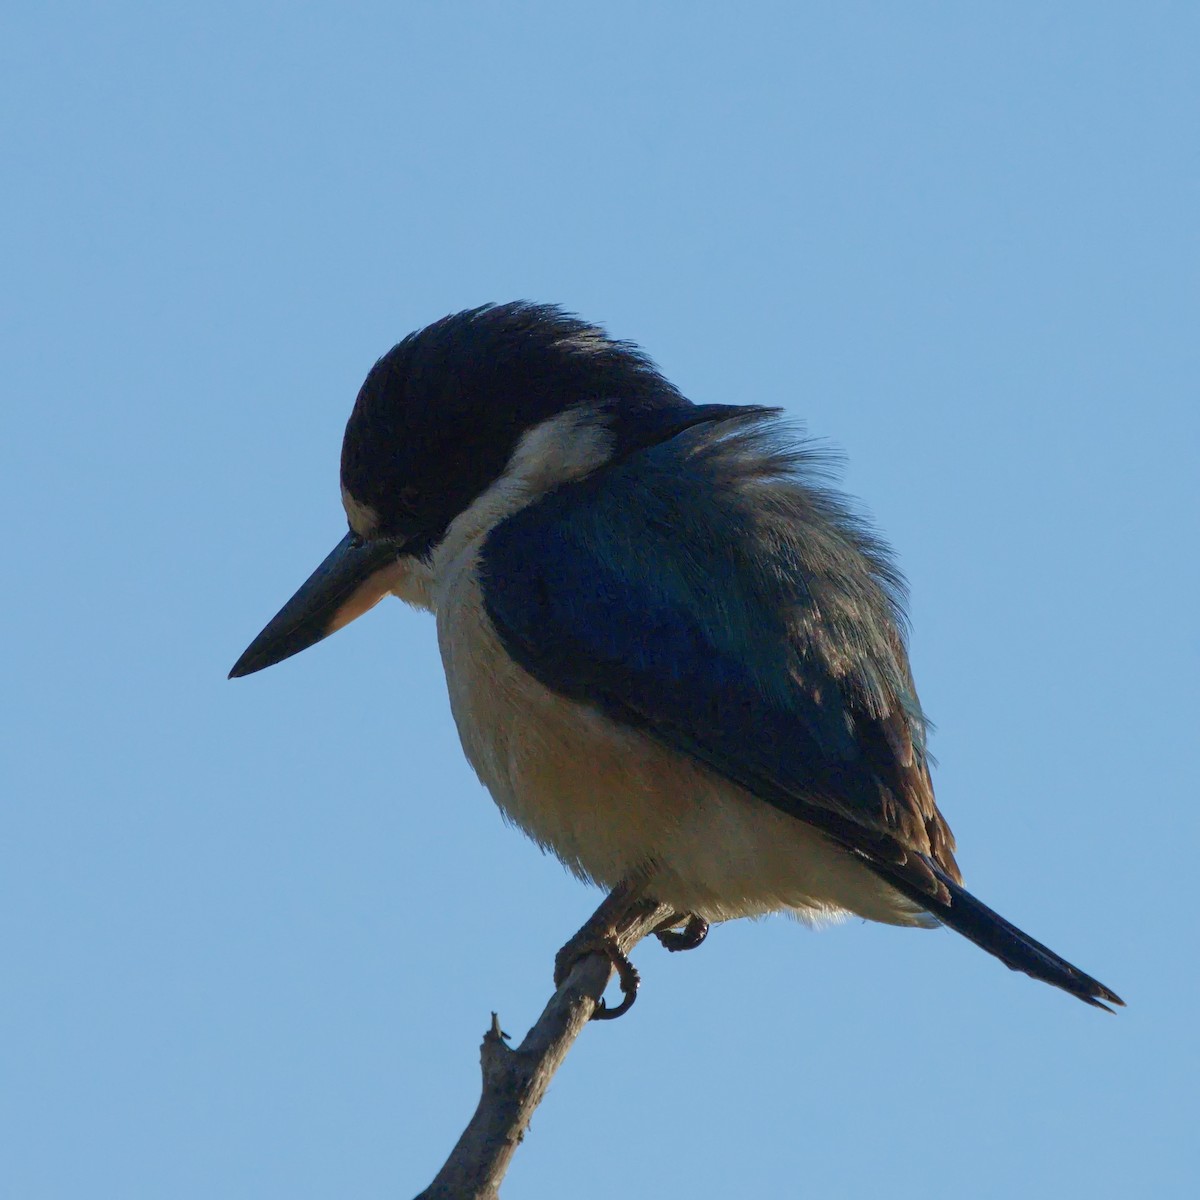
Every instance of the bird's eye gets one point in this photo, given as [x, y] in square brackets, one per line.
[356, 540]
[407, 498]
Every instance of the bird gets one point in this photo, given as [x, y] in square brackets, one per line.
[675, 653]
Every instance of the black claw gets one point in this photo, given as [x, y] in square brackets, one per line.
[694, 931]
[621, 908]
[630, 980]
[627, 973]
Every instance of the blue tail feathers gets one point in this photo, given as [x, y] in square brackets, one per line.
[963, 913]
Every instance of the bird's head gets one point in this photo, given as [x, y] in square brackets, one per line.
[447, 415]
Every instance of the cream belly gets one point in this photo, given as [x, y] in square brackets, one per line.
[615, 805]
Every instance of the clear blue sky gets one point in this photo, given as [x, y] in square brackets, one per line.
[252, 931]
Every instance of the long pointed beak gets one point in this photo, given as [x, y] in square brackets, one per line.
[349, 581]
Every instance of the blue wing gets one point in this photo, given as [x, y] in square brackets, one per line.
[707, 591]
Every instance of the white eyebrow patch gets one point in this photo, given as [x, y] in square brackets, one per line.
[364, 519]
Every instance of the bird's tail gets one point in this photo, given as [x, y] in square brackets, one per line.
[991, 932]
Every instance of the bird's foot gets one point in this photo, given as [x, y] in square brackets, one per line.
[694, 931]
[621, 910]
[586, 942]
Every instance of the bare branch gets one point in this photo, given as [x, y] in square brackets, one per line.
[515, 1080]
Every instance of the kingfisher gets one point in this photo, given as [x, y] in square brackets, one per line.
[675, 655]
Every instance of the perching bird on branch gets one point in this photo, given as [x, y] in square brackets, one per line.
[675, 657]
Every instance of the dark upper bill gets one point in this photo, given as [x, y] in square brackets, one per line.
[349, 581]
